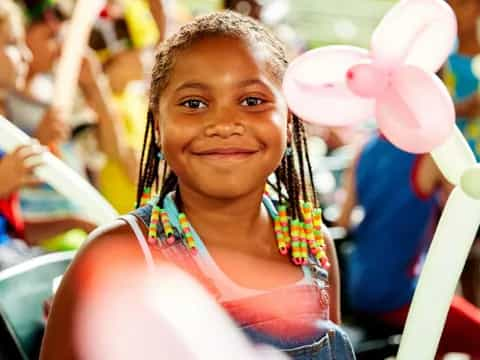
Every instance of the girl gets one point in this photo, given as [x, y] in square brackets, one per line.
[218, 119]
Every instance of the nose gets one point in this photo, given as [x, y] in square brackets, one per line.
[224, 124]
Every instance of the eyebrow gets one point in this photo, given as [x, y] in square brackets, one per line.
[192, 85]
[203, 86]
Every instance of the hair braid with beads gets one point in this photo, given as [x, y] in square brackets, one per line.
[294, 174]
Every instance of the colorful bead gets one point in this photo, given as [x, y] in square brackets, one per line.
[152, 229]
[187, 233]
[298, 238]
[146, 196]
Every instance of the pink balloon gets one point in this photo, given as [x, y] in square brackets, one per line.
[415, 32]
[316, 89]
[342, 85]
[415, 118]
[367, 80]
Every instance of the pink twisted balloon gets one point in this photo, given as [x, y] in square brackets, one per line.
[395, 82]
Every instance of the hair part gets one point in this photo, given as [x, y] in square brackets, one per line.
[294, 176]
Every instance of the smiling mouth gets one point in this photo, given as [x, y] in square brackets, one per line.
[226, 154]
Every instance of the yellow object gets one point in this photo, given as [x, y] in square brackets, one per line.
[114, 183]
[70, 240]
[141, 24]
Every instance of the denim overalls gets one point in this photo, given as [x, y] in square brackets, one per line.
[303, 333]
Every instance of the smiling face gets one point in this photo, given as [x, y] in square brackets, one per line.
[221, 118]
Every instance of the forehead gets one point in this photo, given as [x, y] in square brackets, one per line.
[216, 56]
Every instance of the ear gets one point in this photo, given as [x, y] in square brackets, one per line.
[289, 127]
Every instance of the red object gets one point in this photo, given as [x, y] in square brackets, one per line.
[104, 14]
[10, 209]
[461, 331]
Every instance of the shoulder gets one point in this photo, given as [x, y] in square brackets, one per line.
[110, 252]
[115, 240]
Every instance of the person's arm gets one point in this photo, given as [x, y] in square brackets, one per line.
[110, 250]
[53, 128]
[98, 96]
[468, 108]
[334, 280]
[428, 178]
[350, 198]
[158, 13]
[38, 231]
[111, 134]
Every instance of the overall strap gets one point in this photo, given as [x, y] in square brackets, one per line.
[132, 221]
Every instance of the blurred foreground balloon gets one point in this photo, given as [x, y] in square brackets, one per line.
[396, 84]
[163, 314]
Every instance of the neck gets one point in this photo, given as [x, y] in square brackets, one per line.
[242, 223]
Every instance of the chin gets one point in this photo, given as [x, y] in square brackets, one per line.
[229, 189]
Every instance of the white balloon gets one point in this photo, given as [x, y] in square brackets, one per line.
[470, 182]
[63, 179]
[74, 45]
[444, 264]
[454, 157]
[415, 32]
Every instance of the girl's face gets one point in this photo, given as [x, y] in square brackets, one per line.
[222, 119]
[44, 42]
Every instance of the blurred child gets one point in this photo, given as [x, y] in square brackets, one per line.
[16, 168]
[94, 103]
[126, 75]
[400, 196]
[218, 118]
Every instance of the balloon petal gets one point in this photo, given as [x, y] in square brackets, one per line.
[316, 90]
[420, 33]
[447, 255]
[417, 113]
[454, 157]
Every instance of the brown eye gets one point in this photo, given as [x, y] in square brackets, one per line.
[194, 104]
[251, 101]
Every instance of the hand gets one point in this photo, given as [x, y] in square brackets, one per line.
[16, 169]
[89, 70]
[52, 128]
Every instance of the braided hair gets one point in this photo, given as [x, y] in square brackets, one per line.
[293, 177]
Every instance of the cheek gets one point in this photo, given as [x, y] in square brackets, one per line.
[174, 138]
[8, 72]
[277, 131]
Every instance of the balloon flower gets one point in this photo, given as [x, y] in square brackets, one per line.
[58, 175]
[395, 83]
